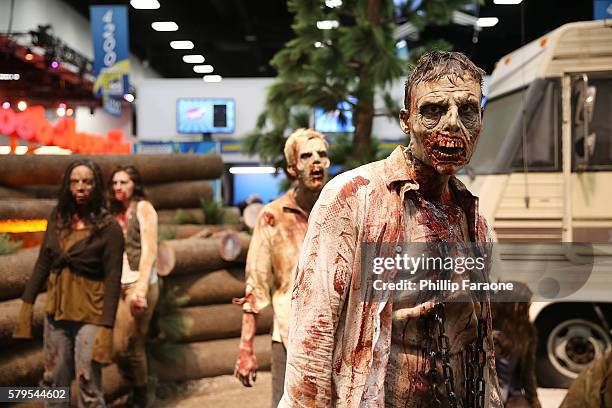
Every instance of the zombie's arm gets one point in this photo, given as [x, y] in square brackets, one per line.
[259, 280]
[147, 218]
[322, 279]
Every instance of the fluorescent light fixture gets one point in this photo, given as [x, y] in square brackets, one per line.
[327, 24]
[212, 78]
[21, 149]
[51, 150]
[487, 21]
[333, 3]
[164, 26]
[145, 4]
[203, 69]
[252, 170]
[507, 1]
[181, 45]
[193, 59]
[5, 149]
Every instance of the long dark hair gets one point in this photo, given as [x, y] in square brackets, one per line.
[67, 206]
[139, 194]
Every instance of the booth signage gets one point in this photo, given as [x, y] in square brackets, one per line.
[32, 126]
[109, 30]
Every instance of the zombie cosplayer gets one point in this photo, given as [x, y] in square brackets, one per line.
[347, 350]
[80, 262]
[274, 252]
[139, 288]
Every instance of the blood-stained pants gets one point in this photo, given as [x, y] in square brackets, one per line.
[68, 349]
[130, 337]
[278, 363]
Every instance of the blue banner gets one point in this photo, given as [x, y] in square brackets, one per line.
[109, 30]
[602, 9]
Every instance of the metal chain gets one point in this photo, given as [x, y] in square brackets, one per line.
[477, 359]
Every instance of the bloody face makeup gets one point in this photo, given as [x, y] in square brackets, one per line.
[82, 184]
[312, 164]
[444, 122]
[123, 186]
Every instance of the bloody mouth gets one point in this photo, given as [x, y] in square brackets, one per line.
[448, 149]
[316, 175]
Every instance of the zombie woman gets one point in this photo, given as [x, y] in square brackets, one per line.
[80, 262]
[139, 289]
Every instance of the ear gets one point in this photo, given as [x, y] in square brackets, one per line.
[291, 170]
[404, 119]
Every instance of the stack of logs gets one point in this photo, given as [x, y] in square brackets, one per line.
[203, 264]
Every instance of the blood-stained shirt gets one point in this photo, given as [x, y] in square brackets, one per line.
[272, 258]
[339, 343]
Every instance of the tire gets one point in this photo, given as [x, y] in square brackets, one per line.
[570, 337]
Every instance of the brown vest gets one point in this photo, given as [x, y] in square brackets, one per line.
[132, 239]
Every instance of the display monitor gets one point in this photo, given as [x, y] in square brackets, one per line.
[329, 122]
[205, 115]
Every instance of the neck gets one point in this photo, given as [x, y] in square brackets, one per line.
[433, 186]
[126, 205]
[306, 198]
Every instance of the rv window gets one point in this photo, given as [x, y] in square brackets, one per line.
[601, 125]
[498, 118]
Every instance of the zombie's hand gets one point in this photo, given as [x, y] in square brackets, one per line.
[103, 346]
[23, 330]
[246, 366]
[138, 302]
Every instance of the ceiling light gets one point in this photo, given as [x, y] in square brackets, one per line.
[164, 26]
[327, 24]
[61, 112]
[6, 105]
[203, 69]
[145, 4]
[129, 97]
[487, 21]
[181, 45]
[69, 112]
[333, 3]
[51, 150]
[507, 1]
[212, 78]
[22, 105]
[21, 149]
[252, 170]
[29, 56]
[193, 59]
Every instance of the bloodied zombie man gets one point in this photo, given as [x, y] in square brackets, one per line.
[349, 350]
[274, 252]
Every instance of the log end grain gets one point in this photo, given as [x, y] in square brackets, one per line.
[166, 258]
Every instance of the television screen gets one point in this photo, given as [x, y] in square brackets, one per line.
[329, 122]
[205, 115]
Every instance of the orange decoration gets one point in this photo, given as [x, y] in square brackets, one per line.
[31, 125]
[23, 225]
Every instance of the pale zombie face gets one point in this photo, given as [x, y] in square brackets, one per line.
[312, 164]
[444, 122]
[82, 184]
[123, 186]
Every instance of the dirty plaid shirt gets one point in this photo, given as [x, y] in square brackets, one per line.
[272, 259]
[338, 344]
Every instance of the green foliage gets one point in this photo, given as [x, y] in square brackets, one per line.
[184, 217]
[213, 212]
[170, 324]
[7, 245]
[166, 232]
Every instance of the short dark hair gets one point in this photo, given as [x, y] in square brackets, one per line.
[67, 206]
[434, 65]
[115, 206]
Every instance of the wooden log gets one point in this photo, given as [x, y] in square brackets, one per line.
[181, 216]
[26, 209]
[15, 270]
[187, 256]
[21, 366]
[154, 168]
[184, 231]
[210, 230]
[214, 287]
[215, 322]
[210, 359]
[9, 315]
[179, 194]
